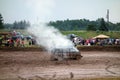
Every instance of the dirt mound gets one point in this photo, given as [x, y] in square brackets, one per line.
[99, 48]
[81, 48]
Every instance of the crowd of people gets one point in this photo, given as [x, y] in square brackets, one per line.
[97, 41]
[15, 39]
[93, 41]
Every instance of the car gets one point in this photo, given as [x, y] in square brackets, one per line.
[71, 36]
[17, 36]
[65, 54]
[28, 37]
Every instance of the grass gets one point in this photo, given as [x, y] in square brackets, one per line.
[84, 34]
[24, 32]
[91, 34]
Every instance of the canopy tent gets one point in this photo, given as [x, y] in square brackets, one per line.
[101, 36]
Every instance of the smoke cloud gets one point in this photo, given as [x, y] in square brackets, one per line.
[47, 36]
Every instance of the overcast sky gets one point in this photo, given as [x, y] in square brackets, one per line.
[51, 10]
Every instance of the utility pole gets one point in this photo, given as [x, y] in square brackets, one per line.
[107, 16]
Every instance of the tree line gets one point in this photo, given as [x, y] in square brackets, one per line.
[85, 24]
[1, 22]
[23, 24]
[67, 25]
[17, 25]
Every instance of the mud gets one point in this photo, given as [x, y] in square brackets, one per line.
[37, 64]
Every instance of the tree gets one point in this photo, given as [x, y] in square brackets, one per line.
[117, 27]
[84, 24]
[103, 25]
[91, 28]
[1, 22]
[15, 25]
[21, 24]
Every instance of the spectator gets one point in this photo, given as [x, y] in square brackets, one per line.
[12, 43]
[30, 42]
[22, 43]
[0, 42]
[18, 42]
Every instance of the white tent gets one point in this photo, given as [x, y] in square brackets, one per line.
[101, 36]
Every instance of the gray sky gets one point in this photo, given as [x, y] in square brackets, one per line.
[51, 10]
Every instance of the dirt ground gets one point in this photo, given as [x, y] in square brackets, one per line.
[37, 65]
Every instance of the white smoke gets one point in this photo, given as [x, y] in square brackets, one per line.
[42, 9]
[47, 36]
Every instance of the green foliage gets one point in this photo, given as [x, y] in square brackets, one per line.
[84, 24]
[70, 24]
[102, 25]
[91, 28]
[21, 25]
[117, 27]
[18, 25]
[1, 22]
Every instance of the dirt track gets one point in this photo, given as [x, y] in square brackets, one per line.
[27, 64]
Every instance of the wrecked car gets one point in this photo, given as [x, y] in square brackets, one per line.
[65, 53]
